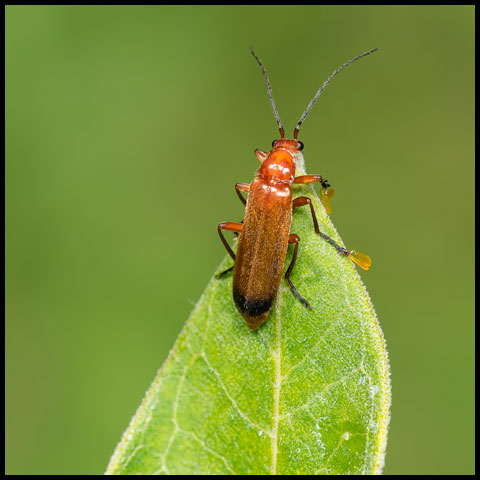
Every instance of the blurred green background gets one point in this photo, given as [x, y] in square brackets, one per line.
[126, 130]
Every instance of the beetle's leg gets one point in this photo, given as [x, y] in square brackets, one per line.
[325, 195]
[294, 238]
[231, 227]
[221, 274]
[261, 155]
[242, 187]
[311, 179]
[302, 201]
[360, 259]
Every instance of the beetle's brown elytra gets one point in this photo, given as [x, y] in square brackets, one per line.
[264, 234]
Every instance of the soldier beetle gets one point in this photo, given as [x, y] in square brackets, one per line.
[264, 234]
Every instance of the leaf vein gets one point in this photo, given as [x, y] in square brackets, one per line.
[309, 353]
[232, 400]
[208, 449]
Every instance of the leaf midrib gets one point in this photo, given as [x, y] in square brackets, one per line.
[278, 380]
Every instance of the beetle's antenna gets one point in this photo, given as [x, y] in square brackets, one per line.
[269, 89]
[310, 105]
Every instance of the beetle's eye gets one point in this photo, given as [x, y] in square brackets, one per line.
[274, 142]
[300, 145]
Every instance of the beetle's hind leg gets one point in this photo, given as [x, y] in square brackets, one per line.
[294, 238]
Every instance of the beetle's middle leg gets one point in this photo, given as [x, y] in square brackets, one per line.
[302, 201]
[242, 187]
[232, 227]
[361, 259]
[294, 238]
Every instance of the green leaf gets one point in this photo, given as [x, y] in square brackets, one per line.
[306, 393]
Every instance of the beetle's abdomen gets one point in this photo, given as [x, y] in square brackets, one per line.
[262, 248]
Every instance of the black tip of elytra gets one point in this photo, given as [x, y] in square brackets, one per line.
[252, 307]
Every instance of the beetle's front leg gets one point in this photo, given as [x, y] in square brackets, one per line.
[325, 195]
[311, 179]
